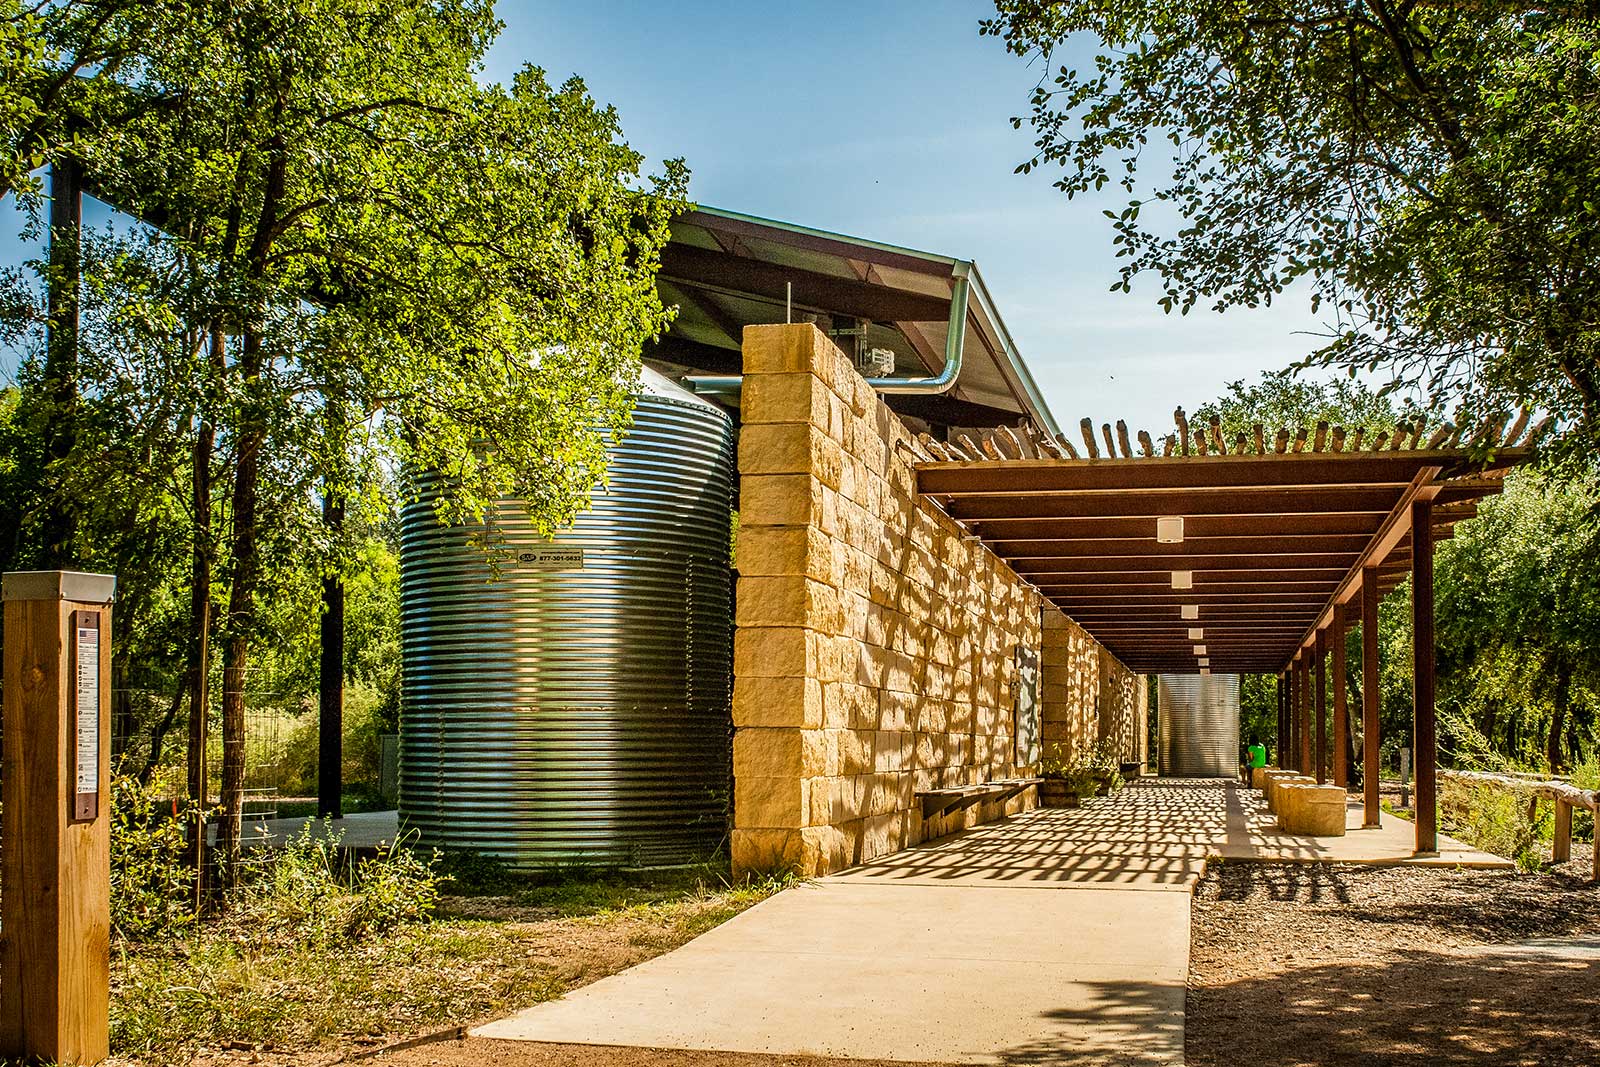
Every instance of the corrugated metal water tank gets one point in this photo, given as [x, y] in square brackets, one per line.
[576, 709]
[1198, 728]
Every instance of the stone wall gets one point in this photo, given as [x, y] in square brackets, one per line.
[876, 643]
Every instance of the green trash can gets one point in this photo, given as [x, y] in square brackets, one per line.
[1258, 755]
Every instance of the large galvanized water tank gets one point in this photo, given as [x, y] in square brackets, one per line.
[1198, 725]
[576, 708]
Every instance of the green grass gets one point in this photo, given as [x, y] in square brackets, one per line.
[549, 932]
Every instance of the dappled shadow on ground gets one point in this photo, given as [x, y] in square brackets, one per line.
[1315, 882]
[1416, 1007]
[1112, 1024]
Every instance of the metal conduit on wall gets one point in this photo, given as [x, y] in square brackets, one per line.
[576, 709]
[1198, 725]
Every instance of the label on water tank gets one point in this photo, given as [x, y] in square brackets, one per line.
[552, 558]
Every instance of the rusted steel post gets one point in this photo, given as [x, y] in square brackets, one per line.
[1424, 724]
[1320, 647]
[1561, 843]
[1280, 737]
[1305, 712]
[1341, 706]
[1370, 739]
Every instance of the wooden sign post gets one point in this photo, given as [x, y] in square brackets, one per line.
[55, 842]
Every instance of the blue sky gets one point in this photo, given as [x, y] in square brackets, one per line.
[889, 120]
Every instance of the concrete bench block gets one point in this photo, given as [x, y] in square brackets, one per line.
[1275, 786]
[1313, 810]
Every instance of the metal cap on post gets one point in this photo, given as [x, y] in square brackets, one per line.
[55, 860]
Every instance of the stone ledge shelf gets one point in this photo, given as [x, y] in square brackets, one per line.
[936, 802]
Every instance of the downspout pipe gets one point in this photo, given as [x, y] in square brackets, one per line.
[943, 382]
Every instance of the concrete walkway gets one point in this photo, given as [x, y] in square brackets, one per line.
[1057, 937]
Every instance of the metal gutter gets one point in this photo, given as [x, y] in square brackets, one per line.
[943, 382]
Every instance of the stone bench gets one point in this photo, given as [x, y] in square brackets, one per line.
[1311, 809]
[1277, 780]
[937, 802]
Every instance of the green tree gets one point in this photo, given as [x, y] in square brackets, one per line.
[369, 260]
[1428, 170]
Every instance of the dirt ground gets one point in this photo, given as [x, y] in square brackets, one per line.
[1338, 965]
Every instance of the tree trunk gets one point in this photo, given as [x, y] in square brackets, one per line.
[200, 639]
[158, 733]
[61, 354]
[330, 696]
[1558, 719]
[236, 641]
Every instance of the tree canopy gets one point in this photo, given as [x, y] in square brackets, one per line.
[1429, 171]
[352, 257]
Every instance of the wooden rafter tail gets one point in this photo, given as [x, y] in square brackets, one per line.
[1169, 445]
[1182, 422]
[1300, 440]
[1030, 435]
[1240, 443]
[1122, 439]
[1380, 440]
[1111, 448]
[1216, 436]
[1416, 432]
[1336, 441]
[1320, 441]
[1066, 446]
[1200, 446]
[1087, 428]
[1048, 448]
[1356, 439]
[1480, 435]
[1440, 436]
[1536, 434]
[1497, 431]
[1280, 441]
[1455, 436]
[934, 447]
[1147, 447]
[969, 446]
[1401, 432]
[911, 448]
[1258, 434]
[958, 453]
[1007, 442]
[990, 449]
[1514, 434]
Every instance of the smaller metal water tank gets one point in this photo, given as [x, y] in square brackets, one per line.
[1198, 725]
[574, 708]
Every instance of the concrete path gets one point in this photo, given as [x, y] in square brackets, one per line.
[1057, 937]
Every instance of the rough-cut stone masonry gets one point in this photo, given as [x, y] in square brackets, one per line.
[876, 644]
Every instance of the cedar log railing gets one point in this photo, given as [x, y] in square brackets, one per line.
[1565, 795]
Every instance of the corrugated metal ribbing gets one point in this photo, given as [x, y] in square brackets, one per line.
[579, 715]
[1199, 725]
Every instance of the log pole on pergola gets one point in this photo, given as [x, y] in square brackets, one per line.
[1223, 558]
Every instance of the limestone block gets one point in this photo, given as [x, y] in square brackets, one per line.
[1315, 810]
[793, 397]
[790, 448]
[778, 652]
[762, 852]
[771, 802]
[783, 500]
[788, 600]
[786, 348]
[792, 700]
[779, 752]
[897, 711]
[782, 550]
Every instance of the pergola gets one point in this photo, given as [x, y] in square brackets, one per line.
[1248, 557]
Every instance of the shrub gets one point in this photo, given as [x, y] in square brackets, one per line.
[1490, 818]
[151, 886]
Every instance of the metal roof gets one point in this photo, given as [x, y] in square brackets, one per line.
[725, 270]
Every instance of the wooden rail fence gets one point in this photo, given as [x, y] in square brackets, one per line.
[1566, 796]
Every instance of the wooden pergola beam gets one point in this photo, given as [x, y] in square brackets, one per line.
[1328, 500]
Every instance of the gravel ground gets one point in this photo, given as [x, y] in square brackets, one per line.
[1338, 965]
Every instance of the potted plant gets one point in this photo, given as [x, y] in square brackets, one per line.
[1067, 779]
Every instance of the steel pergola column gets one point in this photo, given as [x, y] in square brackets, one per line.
[1424, 725]
[1370, 736]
